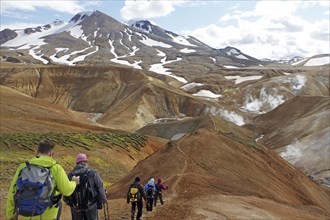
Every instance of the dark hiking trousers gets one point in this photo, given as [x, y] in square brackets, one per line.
[139, 205]
[90, 214]
[150, 202]
[158, 195]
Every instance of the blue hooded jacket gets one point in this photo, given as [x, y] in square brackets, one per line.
[151, 183]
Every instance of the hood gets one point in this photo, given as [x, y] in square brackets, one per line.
[151, 182]
[44, 161]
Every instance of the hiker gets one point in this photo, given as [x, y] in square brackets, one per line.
[149, 188]
[158, 193]
[135, 195]
[51, 179]
[89, 195]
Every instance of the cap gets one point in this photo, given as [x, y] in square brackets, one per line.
[81, 158]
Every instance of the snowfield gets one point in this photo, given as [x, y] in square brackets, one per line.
[318, 61]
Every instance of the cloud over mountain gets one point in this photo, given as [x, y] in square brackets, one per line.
[272, 34]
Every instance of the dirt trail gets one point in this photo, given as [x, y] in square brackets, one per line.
[216, 171]
[171, 197]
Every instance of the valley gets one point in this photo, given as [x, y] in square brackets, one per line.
[232, 136]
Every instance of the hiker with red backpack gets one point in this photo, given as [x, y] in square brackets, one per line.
[89, 195]
[159, 187]
[150, 191]
[134, 196]
[46, 182]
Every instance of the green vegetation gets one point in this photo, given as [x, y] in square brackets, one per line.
[16, 148]
[29, 141]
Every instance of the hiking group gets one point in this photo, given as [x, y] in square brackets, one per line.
[38, 185]
[150, 192]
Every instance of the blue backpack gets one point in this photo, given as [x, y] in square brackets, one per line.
[35, 190]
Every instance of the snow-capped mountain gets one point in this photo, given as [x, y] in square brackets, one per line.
[98, 39]
[289, 60]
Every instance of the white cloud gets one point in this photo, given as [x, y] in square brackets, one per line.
[71, 7]
[152, 8]
[265, 33]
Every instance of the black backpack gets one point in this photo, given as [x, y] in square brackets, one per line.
[150, 191]
[85, 194]
[158, 188]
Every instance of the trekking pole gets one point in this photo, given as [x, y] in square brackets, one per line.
[107, 205]
[108, 210]
[105, 214]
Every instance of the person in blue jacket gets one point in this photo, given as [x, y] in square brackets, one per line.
[150, 191]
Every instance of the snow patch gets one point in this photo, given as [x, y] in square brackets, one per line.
[95, 33]
[186, 50]
[160, 69]
[64, 59]
[29, 39]
[231, 67]
[214, 60]
[36, 56]
[76, 31]
[299, 62]
[125, 62]
[232, 51]
[160, 53]
[152, 43]
[242, 57]
[239, 79]
[207, 93]
[181, 40]
[190, 86]
[318, 61]
[129, 35]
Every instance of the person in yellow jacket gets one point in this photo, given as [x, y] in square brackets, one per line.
[62, 185]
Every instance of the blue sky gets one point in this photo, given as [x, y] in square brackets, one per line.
[263, 29]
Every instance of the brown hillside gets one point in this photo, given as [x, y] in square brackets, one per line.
[22, 113]
[126, 99]
[294, 119]
[211, 176]
[176, 129]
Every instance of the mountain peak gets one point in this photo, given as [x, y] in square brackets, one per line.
[81, 16]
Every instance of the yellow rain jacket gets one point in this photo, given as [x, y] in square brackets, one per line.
[62, 185]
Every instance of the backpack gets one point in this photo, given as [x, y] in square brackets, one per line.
[134, 193]
[150, 191]
[158, 188]
[84, 195]
[35, 189]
